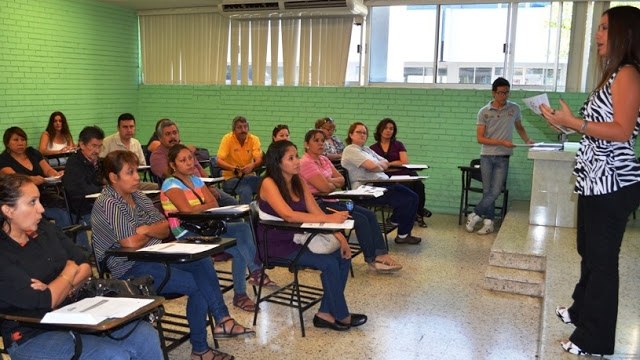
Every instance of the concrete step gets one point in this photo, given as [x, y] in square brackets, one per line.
[515, 281]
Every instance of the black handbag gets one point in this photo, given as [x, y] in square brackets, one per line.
[141, 286]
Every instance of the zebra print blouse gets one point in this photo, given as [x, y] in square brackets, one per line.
[602, 166]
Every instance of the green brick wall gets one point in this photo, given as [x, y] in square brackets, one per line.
[76, 56]
[437, 126]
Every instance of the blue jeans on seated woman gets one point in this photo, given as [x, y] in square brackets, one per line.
[367, 229]
[199, 281]
[404, 203]
[334, 274]
[143, 344]
[243, 254]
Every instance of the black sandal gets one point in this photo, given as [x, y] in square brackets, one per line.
[230, 334]
[216, 355]
[420, 221]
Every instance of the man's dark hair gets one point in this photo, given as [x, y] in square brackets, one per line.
[90, 132]
[125, 117]
[499, 82]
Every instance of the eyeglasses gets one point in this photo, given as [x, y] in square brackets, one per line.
[503, 93]
[361, 132]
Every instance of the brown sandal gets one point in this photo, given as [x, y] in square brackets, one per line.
[224, 334]
[211, 354]
[244, 302]
[254, 279]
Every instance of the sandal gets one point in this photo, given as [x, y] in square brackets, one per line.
[211, 354]
[563, 313]
[426, 213]
[572, 348]
[244, 302]
[254, 279]
[230, 334]
[384, 266]
[420, 221]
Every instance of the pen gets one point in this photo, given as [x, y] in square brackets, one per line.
[334, 210]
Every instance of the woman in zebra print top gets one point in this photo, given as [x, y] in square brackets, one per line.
[608, 180]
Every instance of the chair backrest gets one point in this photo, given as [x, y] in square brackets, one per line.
[345, 174]
[215, 170]
[147, 154]
[476, 175]
[202, 156]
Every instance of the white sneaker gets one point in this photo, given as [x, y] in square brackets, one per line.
[472, 220]
[487, 228]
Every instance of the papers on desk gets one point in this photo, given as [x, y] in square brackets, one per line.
[407, 177]
[178, 248]
[416, 166]
[53, 179]
[144, 167]
[348, 224]
[212, 180]
[146, 192]
[534, 102]
[546, 147]
[363, 190]
[232, 209]
[92, 311]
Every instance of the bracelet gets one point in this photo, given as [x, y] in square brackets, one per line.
[584, 127]
[67, 278]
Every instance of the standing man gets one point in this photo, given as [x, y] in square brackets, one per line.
[82, 176]
[124, 140]
[495, 132]
[169, 135]
[239, 155]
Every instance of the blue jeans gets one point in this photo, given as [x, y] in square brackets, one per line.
[143, 344]
[243, 254]
[248, 186]
[225, 199]
[404, 203]
[367, 229]
[334, 274]
[59, 215]
[494, 170]
[199, 281]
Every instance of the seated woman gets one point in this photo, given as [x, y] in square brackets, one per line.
[122, 216]
[321, 176]
[280, 132]
[186, 193]
[333, 147]
[396, 154]
[20, 158]
[56, 139]
[364, 164]
[283, 194]
[32, 285]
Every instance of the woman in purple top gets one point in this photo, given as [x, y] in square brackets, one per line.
[283, 194]
[394, 151]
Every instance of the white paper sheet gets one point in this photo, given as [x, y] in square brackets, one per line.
[348, 224]
[403, 177]
[534, 102]
[178, 248]
[363, 190]
[232, 209]
[416, 166]
[92, 311]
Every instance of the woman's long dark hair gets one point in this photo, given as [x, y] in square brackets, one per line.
[272, 161]
[51, 130]
[623, 41]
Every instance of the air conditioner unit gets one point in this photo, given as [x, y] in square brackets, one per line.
[257, 9]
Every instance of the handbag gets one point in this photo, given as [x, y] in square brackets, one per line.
[204, 227]
[320, 244]
[140, 286]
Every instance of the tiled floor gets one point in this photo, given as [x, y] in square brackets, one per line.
[435, 308]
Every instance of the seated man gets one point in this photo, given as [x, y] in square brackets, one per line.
[239, 155]
[169, 135]
[124, 140]
[82, 175]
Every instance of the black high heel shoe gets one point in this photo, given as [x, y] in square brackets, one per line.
[420, 221]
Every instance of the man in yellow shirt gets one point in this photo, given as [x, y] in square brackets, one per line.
[238, 156]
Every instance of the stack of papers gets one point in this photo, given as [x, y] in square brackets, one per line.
[363, 190]
[415, 166]
[347, 224]
[92, 311]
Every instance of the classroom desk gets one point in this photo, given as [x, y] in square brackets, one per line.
[169, 258]
[105, 325]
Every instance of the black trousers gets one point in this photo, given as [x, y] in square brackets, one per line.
[418, 188]
[602, 220]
